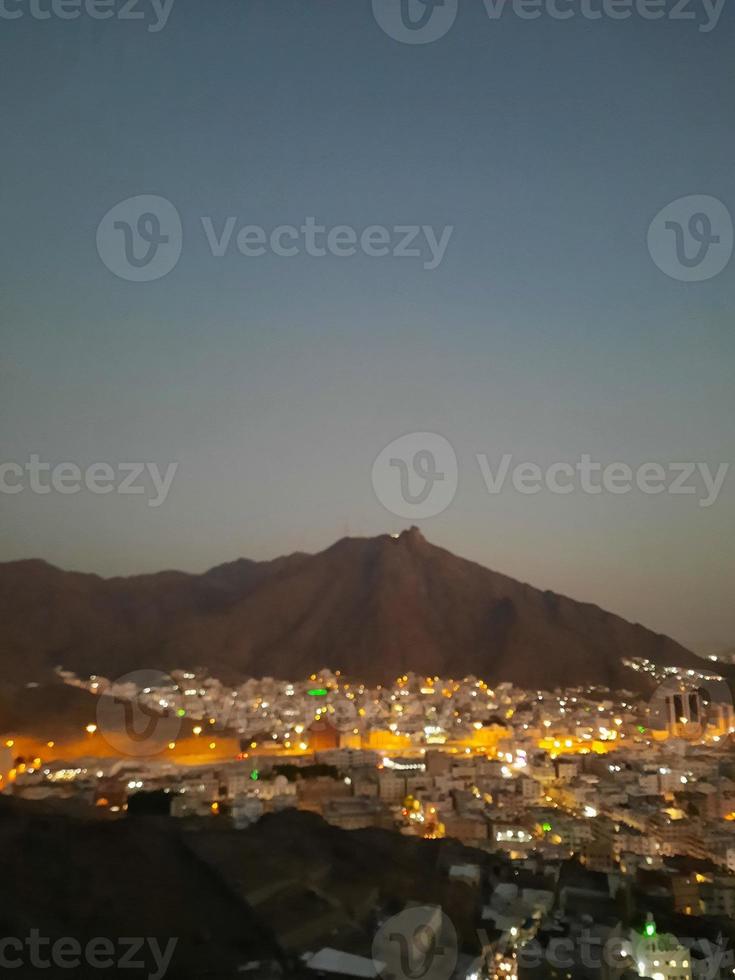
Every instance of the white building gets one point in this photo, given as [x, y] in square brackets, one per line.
[659, 956]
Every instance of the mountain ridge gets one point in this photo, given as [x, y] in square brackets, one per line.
[371, 607]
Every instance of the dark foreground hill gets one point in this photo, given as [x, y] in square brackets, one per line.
[372, 607]
[92, 881]
[224, 903]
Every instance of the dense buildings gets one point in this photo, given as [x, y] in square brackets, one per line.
[603, 809]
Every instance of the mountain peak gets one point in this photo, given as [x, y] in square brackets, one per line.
[410, 536]
[373, 608]
[413, 533]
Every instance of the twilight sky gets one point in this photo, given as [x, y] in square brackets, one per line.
[546, 331]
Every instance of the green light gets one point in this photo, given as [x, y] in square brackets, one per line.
[641, 729]
[318, 692]
[546, 827]
[650, 929]
[181, 712]
[255, 774]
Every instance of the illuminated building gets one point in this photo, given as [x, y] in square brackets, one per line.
[660, 956]
[322, 735]
[721, 717]
[684, 713]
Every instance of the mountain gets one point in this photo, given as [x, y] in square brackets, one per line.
[372, 607]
